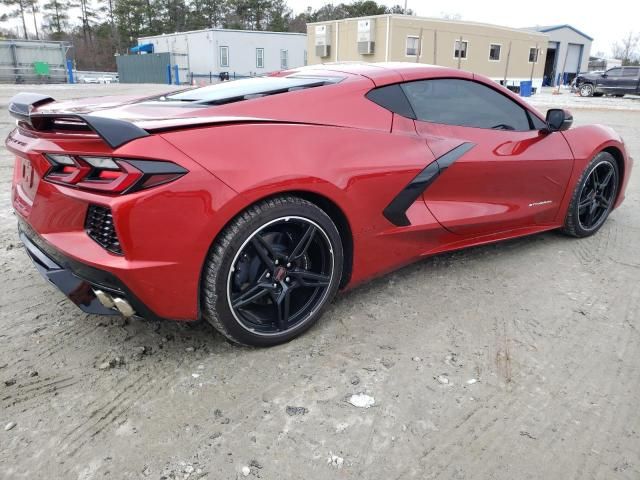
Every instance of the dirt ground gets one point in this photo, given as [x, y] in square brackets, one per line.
[548, 326]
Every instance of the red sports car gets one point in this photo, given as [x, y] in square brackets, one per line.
[250, 203]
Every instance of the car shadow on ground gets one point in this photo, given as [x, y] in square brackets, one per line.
[176, 337]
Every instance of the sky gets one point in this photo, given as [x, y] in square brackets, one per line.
[605, 25]
[606, 22]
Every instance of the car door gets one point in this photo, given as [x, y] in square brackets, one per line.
[630, 80]
[498, 171]
[611, 81]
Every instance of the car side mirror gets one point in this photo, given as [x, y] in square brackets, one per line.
[558, 120]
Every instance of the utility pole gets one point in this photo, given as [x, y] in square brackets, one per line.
[405, 7]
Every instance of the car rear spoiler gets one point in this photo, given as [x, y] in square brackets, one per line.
[113, 131]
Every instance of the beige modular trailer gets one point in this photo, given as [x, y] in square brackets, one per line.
[506, 55]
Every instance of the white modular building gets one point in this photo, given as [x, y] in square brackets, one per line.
[240, 53]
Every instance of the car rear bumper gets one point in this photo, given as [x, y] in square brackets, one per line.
[78, 281]
[164, 232]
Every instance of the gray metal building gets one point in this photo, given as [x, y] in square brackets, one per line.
[33, 61]
[567, 53]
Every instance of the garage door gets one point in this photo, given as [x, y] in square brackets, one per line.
[573, 58]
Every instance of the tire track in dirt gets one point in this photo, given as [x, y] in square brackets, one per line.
[614, 417]
[26, 394]
[555, 428]
[56, 342]
[459, 439]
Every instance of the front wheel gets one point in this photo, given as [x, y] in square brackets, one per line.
[586, 90]
[272, 272]
[593, 197]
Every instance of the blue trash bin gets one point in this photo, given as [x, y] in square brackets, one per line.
[525, 88]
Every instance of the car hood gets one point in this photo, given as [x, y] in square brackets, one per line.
[589, 76]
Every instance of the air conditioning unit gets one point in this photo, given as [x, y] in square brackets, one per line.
[366, 36]
[323, 50]
[366, 48]
[323, 40]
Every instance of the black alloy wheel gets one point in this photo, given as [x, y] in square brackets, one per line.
[593, 197]
[280, 275]
[272, 271]
[597, 196]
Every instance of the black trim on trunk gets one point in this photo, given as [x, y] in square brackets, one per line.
[396, 211]
[113, 131]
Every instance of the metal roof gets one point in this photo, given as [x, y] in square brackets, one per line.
[550, 28]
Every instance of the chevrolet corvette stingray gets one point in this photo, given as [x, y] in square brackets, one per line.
[251, 203]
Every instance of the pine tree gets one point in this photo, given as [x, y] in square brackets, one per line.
[57, 16]
[18, 9]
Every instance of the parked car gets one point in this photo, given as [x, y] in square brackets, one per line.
[250, 203]
[99, 79]
[617, 81]
[90, 79]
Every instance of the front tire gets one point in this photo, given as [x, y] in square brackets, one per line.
[593, 197]
[272, 271]
[586, 90]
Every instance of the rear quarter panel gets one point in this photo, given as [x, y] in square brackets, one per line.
[358, 170]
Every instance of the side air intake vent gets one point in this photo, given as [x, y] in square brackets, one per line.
[99, 226]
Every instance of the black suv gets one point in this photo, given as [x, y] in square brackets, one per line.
[616, 81]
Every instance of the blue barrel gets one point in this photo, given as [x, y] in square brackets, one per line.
[525, 88]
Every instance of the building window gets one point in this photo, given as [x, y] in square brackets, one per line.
[224, 56]
[412, 46]
[533, 55]
[305, 58]
[284, 59]
[460, 49]
[259, 57]
[494, 52]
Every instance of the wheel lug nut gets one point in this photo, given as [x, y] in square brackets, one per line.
[268, 275]
[287, 279]
[275, 285]
[288, 265]
[277, 262]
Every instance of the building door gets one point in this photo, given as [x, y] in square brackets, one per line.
[550, 65]
[572, 62]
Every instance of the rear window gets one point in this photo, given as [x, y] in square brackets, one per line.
[238, 90]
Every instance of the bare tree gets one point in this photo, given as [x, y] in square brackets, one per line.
[627, 48]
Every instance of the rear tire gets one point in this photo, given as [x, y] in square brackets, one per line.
[272, 271]
[593, 197]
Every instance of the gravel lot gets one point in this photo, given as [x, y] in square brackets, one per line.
[548, 326]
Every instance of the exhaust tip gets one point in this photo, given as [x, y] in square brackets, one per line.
[124, 307]
[104, 298]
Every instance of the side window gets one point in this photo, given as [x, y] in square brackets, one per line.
[412, 46]
[465, 103]
[533, 55]
[224, 56]
[284, 59]
[630, 71]
[614, 72]
[259, 57]
[494, 52]
[460, 49]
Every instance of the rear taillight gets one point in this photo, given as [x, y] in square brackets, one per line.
[108, 174]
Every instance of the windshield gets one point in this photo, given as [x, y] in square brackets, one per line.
[245, 89]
